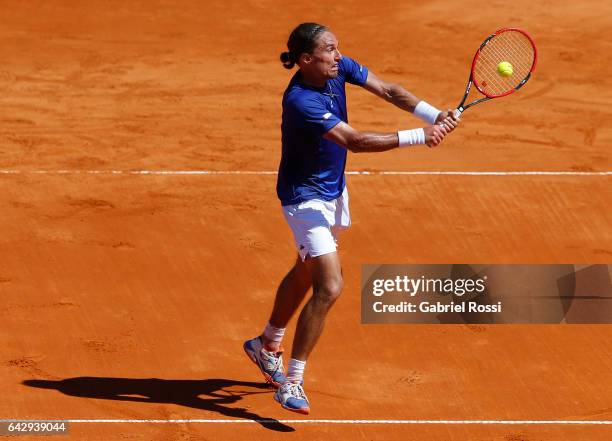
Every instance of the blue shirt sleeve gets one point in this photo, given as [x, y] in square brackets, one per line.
[314, 116]
[354, 72]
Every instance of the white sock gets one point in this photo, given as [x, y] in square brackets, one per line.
[295, 371]
[273, 336]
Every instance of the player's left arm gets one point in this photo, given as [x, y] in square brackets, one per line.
[400, 97]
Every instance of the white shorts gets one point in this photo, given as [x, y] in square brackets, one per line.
[316, 224]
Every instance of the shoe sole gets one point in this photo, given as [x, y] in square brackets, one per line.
[251, 355]
[302, 411]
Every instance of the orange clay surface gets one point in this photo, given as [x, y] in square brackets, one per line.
[148, 285]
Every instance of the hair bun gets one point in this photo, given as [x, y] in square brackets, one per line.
[287, 60]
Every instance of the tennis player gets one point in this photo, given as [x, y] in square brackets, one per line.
[311, 187]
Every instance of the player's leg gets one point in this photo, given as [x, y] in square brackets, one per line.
[327, 286]
[265, 350]
[289, 296]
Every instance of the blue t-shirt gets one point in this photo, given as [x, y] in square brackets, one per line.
[312, 167]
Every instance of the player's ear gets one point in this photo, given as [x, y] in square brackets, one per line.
[306, 58]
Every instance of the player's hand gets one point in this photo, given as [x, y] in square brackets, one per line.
[449, 124]
[434, 135]
[448, 120]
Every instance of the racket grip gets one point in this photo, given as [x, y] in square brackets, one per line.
[458, 112]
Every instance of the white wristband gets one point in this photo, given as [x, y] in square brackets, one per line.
[411, 137]
[426, 112]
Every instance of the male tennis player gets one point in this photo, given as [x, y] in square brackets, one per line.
[311, 186]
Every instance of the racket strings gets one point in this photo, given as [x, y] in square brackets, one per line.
[509, 50]
[510, 46]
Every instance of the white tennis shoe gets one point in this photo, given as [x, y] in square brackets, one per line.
[270, 363]
[292, 397]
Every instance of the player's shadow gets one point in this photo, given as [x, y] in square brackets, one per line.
[214, 394]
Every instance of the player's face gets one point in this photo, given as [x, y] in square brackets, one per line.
[326, 56]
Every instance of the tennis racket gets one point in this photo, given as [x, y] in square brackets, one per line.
[490, 73]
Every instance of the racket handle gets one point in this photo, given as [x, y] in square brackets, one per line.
[458, 112]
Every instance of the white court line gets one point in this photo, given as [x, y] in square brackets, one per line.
[325, 421]
[274, 172]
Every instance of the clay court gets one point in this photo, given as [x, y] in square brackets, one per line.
[127, 287]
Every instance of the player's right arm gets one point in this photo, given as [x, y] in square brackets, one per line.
[361, 142]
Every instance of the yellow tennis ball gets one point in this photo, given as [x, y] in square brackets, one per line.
[505, 69]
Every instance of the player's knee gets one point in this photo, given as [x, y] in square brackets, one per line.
[330, 290]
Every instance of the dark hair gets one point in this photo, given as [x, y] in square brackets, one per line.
[302, 39]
